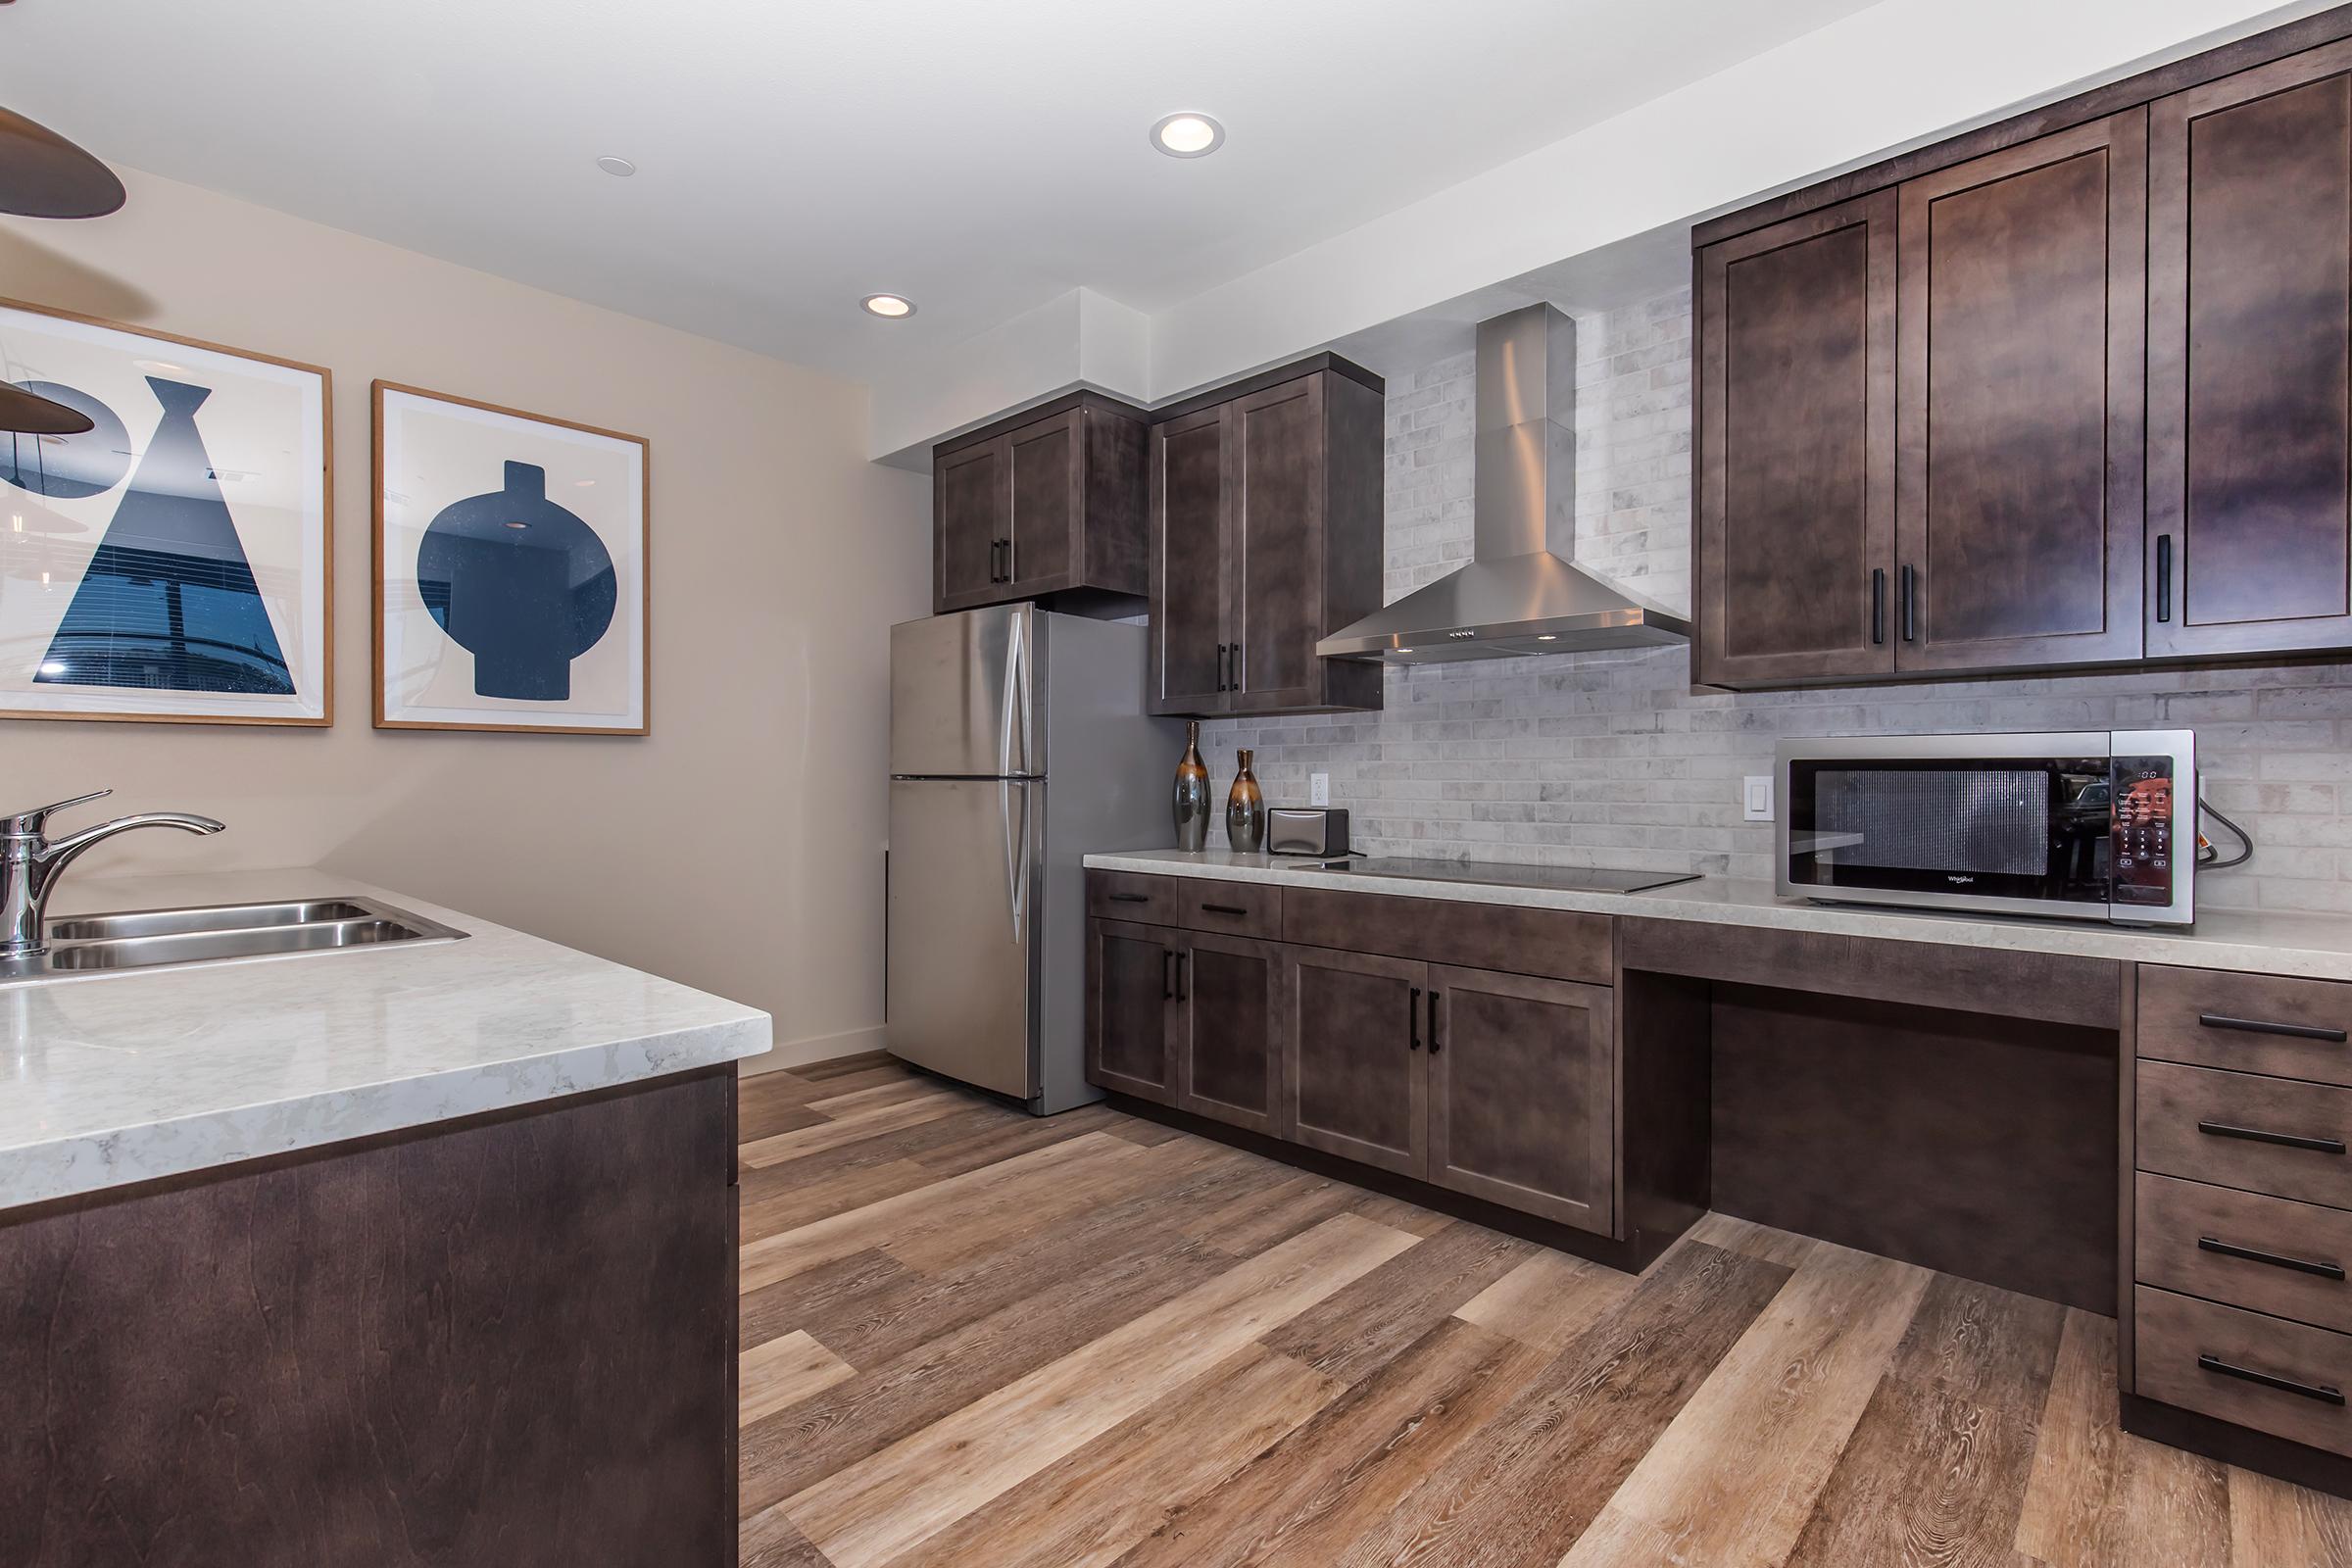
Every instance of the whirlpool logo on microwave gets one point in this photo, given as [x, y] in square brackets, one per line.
[1959, 881]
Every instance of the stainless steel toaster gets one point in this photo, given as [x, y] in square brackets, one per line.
[1307, 830]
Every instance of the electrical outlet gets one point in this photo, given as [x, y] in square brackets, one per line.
[1318, 789]
[1756, 796]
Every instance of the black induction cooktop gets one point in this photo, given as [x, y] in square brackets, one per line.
[1542, 878]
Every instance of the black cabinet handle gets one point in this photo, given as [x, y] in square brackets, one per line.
[1131, 897]
[1184, 990]
[2256, 1026]
[1910, 606]
[1433, 1045]
[2323, 1146]
[1220, 666]
[2309, 1391]
[1223, 908]
[1167, 974]
[2254, 1254]
[1236, 683]
[1412, 1019]
[1878, 604]
[2164, 576]
[1010, 571]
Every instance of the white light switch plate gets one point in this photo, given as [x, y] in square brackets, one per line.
[1318, 789]
[1756, 796]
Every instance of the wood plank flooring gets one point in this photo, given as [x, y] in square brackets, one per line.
[972, 1337]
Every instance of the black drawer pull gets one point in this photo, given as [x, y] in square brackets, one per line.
[2221, 1129]
[2256, 1026]
[2252, 1254]
[2309, 1391]
[1223, 908]
[1131, 897]
[1412, 1019]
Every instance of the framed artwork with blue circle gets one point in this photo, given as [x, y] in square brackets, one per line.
[511, 590]
[173, 563]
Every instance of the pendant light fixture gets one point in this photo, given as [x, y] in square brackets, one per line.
[44, 175]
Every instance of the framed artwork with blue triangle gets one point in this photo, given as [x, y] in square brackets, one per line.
[175, 563]
[511, 582]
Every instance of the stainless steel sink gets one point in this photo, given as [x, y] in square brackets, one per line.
[160, 938]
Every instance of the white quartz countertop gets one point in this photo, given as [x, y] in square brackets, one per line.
[109, 1079]
[2312, 946]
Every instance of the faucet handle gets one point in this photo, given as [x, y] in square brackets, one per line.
[30, 824]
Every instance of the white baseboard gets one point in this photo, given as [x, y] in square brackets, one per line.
[816, 1048]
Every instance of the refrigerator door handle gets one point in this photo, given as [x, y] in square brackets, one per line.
[1018, 659]
[1016, 853]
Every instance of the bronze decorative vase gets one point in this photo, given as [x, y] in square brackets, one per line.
[1245, 810]
[1191, 792]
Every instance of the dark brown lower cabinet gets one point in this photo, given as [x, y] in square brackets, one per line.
[508, 1340]
[1130, 995]
[1228, 1028]
[1340, 1026]
[1358, 1083]
[1521, 1096]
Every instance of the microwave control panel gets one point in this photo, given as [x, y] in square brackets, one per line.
[2142, 837]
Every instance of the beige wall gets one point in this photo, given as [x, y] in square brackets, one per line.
[739, 847]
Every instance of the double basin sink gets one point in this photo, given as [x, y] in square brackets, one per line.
[160, 938]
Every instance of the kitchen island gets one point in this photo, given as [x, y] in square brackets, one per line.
[421, 1254]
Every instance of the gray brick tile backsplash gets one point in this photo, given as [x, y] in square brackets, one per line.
[1613, 760]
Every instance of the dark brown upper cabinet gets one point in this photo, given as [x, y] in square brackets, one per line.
[2249, 323]
[2121, 382]
[1795, 392]
[1047, 505]
[1265, 537]
[2019, 404]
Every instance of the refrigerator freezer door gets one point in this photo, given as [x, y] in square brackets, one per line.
[967, 862]
[961, 695]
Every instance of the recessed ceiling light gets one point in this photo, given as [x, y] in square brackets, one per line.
[613, 165]
[1547, 637]
[1187, 134]
[892, 306]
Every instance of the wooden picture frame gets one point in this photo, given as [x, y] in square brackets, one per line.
[274, 400]
[424, 481]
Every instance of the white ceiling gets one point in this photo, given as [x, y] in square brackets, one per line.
[978, 156]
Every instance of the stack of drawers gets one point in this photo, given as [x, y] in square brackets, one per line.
[2242, 1202]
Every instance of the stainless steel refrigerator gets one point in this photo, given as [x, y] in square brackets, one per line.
[1017, 744]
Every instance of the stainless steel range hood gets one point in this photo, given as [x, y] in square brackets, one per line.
[1523, 592]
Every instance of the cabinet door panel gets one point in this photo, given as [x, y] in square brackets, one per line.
[1188, 564]
[1796, 447]
[1277, 552]
[1049, 503]
[1229, 1031]
[1521, 1102]
[2249, 354]
[2020, 397]
[1357, 1084]
[969, 499]
[1130, 990]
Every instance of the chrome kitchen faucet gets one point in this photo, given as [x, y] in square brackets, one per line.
[31, 860]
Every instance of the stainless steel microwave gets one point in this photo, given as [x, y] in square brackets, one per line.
[2083, 824]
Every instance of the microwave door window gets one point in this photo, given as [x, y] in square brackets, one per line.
[2001, 827]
